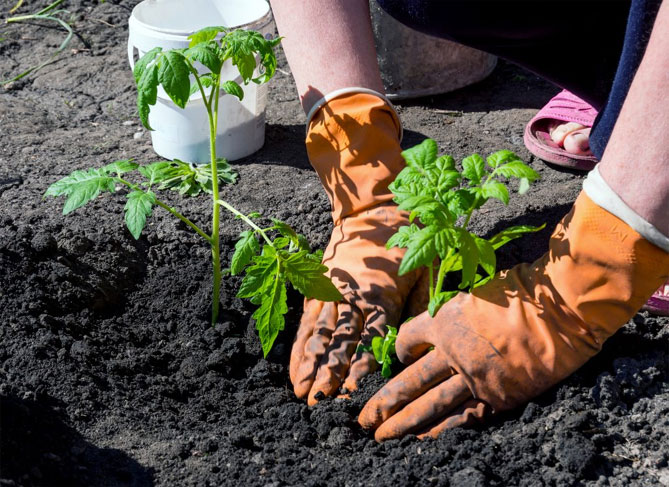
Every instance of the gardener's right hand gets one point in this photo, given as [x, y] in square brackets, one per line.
[353, 143]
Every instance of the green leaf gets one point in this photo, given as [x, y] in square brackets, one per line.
[409, 175]
[470, 256]
[517, 169]
[303, 244]
[80, 187]
[187, 178]
[497, 190]
[500, 157]
[156, 171]
[438, 300]
[383, 349]
[403, 236]
[421, 251]
[377, 349]
[286, 230]
[486, 255]
[245, 249]
[308, 277]
[473, 168]
[147, 92]
[205, 35]
[205, 81]
[257, 275]
[386, 370]
[512, 233]
[481, 282]
[120, 167]
[445, 163]
[389, 343]
[281, 242]
[413, 202]
[137, 209]
[144, 61]
[237, 45]
[421, 156]
[448, 179]
[232, 88]
[444, 241]
[269, 316]
[173, 74]
[460, 201]
[524, 186]
[205, 54]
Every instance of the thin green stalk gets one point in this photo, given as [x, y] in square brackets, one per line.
[442, 272]
[246, 220]
[40, 15]
[207, 104]
[471, 210]
[19, 18]
[174, 212]
[184, 219]
[215, 238]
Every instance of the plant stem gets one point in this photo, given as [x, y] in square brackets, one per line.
[184, 219]
[246, 220]
[215, 238]
[174, 212]
[442, 271]
[20, 18]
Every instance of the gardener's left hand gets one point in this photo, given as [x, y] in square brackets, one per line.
[353, 143]
[521, 333]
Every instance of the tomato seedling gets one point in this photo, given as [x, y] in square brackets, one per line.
[444, 199]
[383, 349]
[284, 256]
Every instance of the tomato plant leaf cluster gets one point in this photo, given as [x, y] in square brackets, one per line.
[383, 349]
[176, 70]
[442, 198]
[285, 257]
[288, 259]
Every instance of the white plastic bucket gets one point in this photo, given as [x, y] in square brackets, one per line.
[184, 133]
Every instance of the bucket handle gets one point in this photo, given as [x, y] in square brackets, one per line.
[131, 55]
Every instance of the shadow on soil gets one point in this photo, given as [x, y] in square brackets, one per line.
[37, 447]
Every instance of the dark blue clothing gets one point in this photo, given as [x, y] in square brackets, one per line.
[590, 47]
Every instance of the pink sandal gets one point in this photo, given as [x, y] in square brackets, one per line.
[658, 304]
[566, 107]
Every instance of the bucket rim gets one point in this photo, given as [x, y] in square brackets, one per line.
[256, 24]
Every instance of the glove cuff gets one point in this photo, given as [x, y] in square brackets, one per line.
[601, 193]
[351, 91]
[603, 268]
[353, 143]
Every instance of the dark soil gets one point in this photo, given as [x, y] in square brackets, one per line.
[111, 375]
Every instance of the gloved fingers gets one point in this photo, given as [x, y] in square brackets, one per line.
[469, 413]
[336, 360]
[411, 383]
[425, 410]
[364, 363]
[413, 339]
[314, 348]
[312, 308]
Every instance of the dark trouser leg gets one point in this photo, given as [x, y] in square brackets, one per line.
[587, 47]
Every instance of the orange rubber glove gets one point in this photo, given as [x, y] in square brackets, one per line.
[524, 331]
[353, 143]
